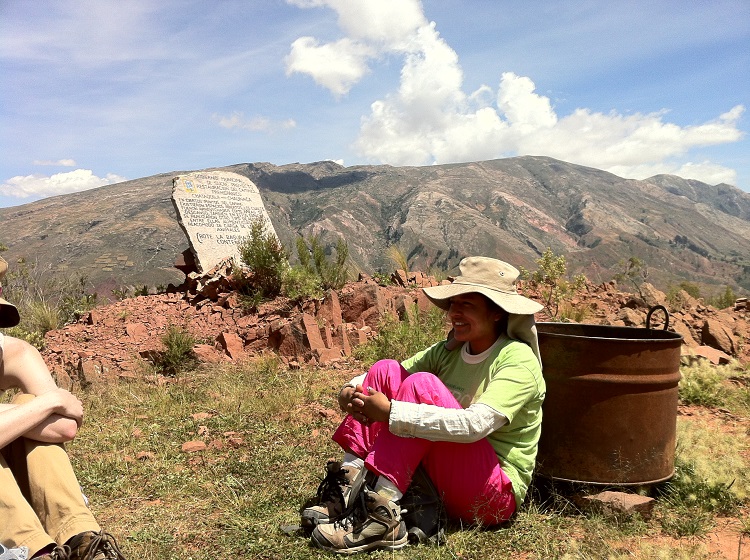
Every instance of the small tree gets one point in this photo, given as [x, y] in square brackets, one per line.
[316, 271]
[635, 271]
[550, 279]
[266, 258]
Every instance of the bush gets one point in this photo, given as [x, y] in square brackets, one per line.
[333, 273]
[722, 301]
[316, 271]
[549, 278]
[400, 339]
[178, 352]
[46, 301]
[702, 386]
[266, 259]
[299, 284]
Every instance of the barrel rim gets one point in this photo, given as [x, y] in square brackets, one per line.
[662, 336]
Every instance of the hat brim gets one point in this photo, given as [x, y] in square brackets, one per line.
[9, 316]
[510, 302]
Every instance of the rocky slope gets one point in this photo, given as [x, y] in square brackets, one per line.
[122, 338]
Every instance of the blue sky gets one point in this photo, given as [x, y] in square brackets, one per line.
[95, 92]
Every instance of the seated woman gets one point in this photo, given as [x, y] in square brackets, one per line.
[468, 410]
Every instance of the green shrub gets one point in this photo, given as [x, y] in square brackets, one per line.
[299, 284]
[46, 300]
[398, 258]
[702, 386]
[690, 491]
[550, 279]
[400, 339]
[266, 259]
[332, 273]
[724, 300]
[178, 355]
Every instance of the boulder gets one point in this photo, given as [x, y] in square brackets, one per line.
[718, 335]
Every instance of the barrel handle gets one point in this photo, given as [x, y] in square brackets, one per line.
[658, 308]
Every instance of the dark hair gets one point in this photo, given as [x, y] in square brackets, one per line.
[502, 325]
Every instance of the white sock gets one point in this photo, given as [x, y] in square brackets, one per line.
[387, 489]
[351, 460]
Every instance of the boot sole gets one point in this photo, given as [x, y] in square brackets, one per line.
[377, 545]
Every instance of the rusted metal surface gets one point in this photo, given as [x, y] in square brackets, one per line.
[610, 414]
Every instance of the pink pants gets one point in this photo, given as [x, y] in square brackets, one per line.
[467, 475]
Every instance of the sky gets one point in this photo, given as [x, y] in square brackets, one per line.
[95, 92]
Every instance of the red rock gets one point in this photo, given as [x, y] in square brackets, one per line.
[716, 357]
[207, 353]
[232, 344]
[328, 355]
[619, 502]
[331, 309]
[136, 331]
[193, 446]
[718, 335]
[313, 333]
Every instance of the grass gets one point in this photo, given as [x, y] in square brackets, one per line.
[268, 431]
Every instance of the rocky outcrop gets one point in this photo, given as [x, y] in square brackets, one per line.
[118, 339]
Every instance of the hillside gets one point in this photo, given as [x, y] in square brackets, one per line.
[127, 234]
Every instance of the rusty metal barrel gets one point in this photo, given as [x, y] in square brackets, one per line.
[610, 415]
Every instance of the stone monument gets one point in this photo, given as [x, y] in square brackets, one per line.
[216, 210]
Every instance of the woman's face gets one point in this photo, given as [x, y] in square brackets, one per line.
[474, 320]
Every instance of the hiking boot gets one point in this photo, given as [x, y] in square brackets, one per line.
[423, 511]
[94, 546]
[373, 523]
[334, 494]
[58, 553]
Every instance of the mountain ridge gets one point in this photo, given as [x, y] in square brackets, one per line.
[513, 208]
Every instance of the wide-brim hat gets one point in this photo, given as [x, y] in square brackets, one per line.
[492, 278]
[8, 313]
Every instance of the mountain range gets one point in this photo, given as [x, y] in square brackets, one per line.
[513, 209]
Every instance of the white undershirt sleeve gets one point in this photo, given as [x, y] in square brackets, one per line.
[436, 423]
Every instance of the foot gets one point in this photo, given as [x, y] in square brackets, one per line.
[334, 494]
[376, 524]
[93, 546]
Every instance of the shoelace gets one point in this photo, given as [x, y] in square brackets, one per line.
[356, 512]
[331, 487]
[103, 542]
[60, 553]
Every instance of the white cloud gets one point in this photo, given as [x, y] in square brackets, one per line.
[257, 124]
[430, 119]
[40, 186]
[60, 162]
[335, 66]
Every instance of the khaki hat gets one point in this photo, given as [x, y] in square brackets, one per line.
[490, 277]
[8, 313]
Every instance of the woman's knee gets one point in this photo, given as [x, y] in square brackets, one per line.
[425, 387]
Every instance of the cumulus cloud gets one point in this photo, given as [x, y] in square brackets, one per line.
[431, 119]
[59, 162]
[257, 124]
[40, 186]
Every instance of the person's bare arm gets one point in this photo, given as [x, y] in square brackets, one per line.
[53, 416]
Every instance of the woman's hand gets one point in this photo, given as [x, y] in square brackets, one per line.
[370, 406]
[345, 398]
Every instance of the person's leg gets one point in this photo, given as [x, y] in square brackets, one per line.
[19, 524]
[46, 477]
[467, 475]
[355, 437]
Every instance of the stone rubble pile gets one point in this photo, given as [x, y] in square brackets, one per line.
[117, 339]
